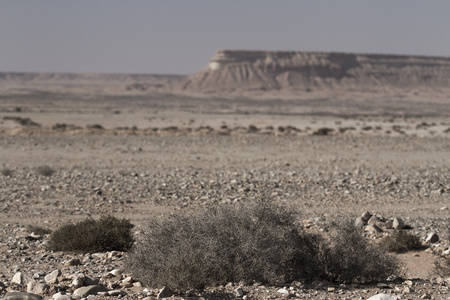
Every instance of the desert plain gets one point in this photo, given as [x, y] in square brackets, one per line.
[135, 154]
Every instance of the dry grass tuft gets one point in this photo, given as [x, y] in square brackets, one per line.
[106, 234]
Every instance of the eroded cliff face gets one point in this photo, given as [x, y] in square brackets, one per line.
[233, 71]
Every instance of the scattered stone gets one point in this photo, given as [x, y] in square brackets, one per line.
[73, 262]
[398, 223]
[21, 296]
[114, 273]
[360, 222]
[383, 285]
[59, 296]
[239, 292]
[19, 279]
[382, 297]
[408, 290]
[164, 293]
[374, 220]
[78, 282]
[366, 216]
[113, 293]
[89, 290]
[88, 280]
[389, 224]
[52, 277]
[432, 238]
[35, 287]
[373, 228]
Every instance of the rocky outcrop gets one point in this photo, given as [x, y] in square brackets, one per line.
[230, 71]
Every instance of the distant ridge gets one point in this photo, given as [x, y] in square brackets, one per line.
[234, 71]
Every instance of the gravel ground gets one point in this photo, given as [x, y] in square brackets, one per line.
[324, 177]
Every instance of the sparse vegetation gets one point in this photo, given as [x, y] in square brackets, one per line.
[106, 234]
[401, 241]
[38, 230]
[45, 170]
[352, 258]
[442, 266]
[323, 131]
[7, 172]
[259, 242]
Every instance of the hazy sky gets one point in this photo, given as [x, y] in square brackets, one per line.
[180, 36]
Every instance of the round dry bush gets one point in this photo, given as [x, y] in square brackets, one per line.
[442, 266]
[106, 234]
[401, 241]
[350, 257]
[7, 172]
[45, 170]
[258, 242]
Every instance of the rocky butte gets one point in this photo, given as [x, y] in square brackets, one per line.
[232, 71]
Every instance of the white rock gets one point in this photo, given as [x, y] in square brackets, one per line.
[382, 297]
[359, 222]
[59, 296]
[114, 273]
[283, 291]
[164, 293]
[398, 223]
[35, 287]
[78, 282]
[52, 277]
[19, 279]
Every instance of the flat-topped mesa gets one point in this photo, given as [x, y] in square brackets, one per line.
[233, 70]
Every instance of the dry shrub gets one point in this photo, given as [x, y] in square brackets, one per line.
[258, 242]
[45, 170]
[323, 131]
[7, 172]
[350, 257]
[442, 266]
[106, 234]
[38, 230]
[401, 241]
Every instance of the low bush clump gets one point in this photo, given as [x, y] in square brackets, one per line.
[352, 258]
[7, 172]
[442, 266]
[106, 234]
[401, 241]
[38, 230]
[259, 242]
[45, 170]
[223, 244]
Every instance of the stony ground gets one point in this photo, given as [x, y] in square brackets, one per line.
[324, 177]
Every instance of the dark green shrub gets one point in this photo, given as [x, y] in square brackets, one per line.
[45, 170]
[257, 242]
[352, 258]
[106, 234]
[401, 241]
